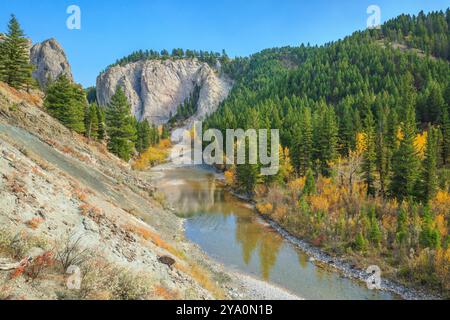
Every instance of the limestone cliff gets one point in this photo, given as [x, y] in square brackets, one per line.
[155, 88]
[50, 61]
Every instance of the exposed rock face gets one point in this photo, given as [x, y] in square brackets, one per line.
[156, 88]
[50, 62]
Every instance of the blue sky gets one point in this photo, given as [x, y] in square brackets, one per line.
[112, 29]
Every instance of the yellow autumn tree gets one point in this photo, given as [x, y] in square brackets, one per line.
[230, 177]
[286, 168]
[361, 143]
[420, 143]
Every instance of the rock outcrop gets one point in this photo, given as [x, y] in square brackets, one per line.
[50, 61]
[156, 88]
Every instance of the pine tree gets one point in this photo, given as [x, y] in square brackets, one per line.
[360, 242]
[382, 150]
[303, 143]
[393, 127]
[445, 129]
[430, 236]
[325, 137]
[92, 121]
[369, 164]
[165, 134]
[310, 183]
[433, 104]
[101, 134]
[120, 126]
[405, 161]
[15, 67]
[347, 130]
[375, 233]
[144, 136]
[428, 184]
[67, 102]
[402, 228]
[247, 177]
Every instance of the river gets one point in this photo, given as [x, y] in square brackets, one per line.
[232, 233]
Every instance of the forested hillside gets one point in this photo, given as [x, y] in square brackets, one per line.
[365, 135]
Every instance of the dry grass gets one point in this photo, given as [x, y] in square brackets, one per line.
[149, 235]
[21, 96]
[166, 294]
[203, 278]
[201, 275]
[80, 194]
[15, 184]
[17, 245]
[160, 198]
[96, 214]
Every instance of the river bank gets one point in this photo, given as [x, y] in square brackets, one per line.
[230, 233]
[328, 261]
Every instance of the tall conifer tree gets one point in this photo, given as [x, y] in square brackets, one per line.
[15, 67]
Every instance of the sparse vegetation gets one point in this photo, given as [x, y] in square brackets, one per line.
[18, 244]
[71, 253]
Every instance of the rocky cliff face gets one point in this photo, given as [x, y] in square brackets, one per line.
[50, 62]
[156, 88]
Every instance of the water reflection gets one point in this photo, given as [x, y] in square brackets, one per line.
[228, 230]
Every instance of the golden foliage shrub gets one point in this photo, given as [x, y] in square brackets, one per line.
[153, 156]
[265, 208]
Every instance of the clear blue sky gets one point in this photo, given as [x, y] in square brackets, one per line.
[112, 29]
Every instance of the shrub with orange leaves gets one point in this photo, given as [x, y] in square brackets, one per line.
[34, 268]
[264, 208]
[280, 212]
[229, 177]
[319, 203]
[441, 225]
[165, 144]
[19, 271]
[441, 202]
[35, 222]
[80, 195]
[297, 185]
[39, 264]
[165, 294]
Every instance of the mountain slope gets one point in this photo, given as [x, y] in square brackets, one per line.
[56, 185]
[365, 134]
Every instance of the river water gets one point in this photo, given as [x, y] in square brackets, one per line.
[232, 233]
